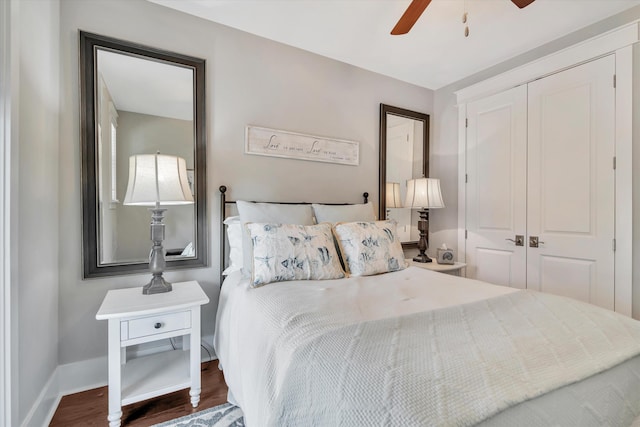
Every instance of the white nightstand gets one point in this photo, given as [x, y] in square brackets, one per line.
[135, 318]
[442, 268]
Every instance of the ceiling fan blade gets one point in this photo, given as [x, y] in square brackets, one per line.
[410, 17]
[522, 3]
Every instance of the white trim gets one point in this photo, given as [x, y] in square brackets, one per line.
[45, 405]
[587, 50]
[66, 379]
[6, 53]
[624, 182]
[462, 188]
[81, 376]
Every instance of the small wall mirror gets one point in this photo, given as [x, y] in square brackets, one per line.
[138, 100]
[404, 154]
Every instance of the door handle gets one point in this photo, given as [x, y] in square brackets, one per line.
[519, 240]
[534, 242]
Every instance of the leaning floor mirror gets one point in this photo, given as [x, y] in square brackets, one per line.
[404, 155]
[138, 100]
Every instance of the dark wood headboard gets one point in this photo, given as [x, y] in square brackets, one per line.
[223, 212]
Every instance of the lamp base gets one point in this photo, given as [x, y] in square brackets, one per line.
[423, 243]
[157, 285]
[422, 257]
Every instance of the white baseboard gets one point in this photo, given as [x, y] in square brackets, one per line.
[81, 376]
[66, 379]
[86, 375]
[45, 405]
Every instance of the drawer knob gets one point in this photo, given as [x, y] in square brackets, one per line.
[157, 325]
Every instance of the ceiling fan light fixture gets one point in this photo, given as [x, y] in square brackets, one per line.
[410, 16]
[416, 7]
[522, 3]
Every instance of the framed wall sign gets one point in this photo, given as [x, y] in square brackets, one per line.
[278, 143]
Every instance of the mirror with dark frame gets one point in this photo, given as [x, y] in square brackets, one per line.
[138, 100]
[404, 154]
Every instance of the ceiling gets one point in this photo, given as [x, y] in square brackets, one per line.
[140, 85]
[434, 54]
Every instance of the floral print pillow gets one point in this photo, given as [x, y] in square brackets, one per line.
[370, 247]
[284, 252]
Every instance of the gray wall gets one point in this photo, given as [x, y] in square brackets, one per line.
[444, 148]
[145, 134]
[34, 202]
[249, 80]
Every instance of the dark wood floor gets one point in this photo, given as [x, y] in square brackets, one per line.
[90, 408]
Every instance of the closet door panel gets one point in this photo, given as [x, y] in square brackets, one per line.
[496, 188]
[571, 182]
[496, 266]
[556, 270]
[566, 158]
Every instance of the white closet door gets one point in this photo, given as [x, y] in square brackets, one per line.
[571, 183]
[496, 188]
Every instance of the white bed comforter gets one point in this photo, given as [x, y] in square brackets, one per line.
[400, 349]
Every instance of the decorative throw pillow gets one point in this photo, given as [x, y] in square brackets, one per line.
[284, 252]
[370, 247]
[269, 213]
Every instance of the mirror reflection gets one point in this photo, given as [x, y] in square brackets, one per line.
[138, 100]
[143, 107]
[404, 154]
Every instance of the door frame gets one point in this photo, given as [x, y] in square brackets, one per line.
[8, 111]
[618, 42]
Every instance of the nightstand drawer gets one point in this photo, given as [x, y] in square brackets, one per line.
[153, 325]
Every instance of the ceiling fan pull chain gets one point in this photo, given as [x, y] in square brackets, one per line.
[465, 17]
[416, 7]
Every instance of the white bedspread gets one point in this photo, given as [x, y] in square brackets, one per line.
[350, 352]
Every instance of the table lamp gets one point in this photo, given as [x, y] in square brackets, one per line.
[423, 194]
[157, 180]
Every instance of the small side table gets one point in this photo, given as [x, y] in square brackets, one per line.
[453, 269]
[135, 318]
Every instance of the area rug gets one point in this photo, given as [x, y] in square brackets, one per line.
[226, 415]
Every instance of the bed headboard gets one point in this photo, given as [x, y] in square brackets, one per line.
[223, 213]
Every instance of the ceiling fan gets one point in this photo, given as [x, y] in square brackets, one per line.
[416, 8]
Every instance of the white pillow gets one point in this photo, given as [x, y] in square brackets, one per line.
[344, 213]
[234, 237]
[369, 248]
[284, 252]
[268, 213]
[189, 250]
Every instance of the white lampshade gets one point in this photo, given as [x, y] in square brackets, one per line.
[424, 193]
[157, 178]
[392, 191]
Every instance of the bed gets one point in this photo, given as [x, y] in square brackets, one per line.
[413, 347]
